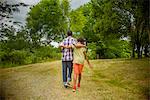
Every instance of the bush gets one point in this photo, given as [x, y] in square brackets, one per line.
[113, 49]
[20, 57]
[91, 51]
[47, 52]
[17, 57]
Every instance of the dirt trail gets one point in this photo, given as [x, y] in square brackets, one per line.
[41, 81]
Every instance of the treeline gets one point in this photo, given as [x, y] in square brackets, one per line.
[17, 49]
[112, 29]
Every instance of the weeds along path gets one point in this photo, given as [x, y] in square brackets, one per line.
[109, 80]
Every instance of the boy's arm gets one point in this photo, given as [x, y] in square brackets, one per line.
[87, 59]
[68, 47]
[78, 45]
[61, 45]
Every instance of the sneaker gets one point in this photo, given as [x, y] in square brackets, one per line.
[74, 89]
[66, 85]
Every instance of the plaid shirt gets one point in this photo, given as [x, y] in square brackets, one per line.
[67, 54]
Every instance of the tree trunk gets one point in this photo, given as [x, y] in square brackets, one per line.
[133, 51]
[97, 56]
[146, 50]
[139, 50]
[149, 34]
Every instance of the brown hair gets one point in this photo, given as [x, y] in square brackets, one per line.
[81, 40]
[69, 33]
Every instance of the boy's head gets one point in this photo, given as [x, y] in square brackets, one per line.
[69, 33]
[81, 40]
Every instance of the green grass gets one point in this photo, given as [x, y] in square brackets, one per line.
[124, 77]
[9, 65]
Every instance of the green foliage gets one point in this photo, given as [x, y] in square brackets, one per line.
[47, 52]
[77, 20]
[108, 21]
[138, 27]
[92, 50]
[103, 28]
[65, 5]
[20, 57]
[17, 57]
[119, 49]
[48, 18]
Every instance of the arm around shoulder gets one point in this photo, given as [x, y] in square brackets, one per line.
[79, 45]
[68, 47]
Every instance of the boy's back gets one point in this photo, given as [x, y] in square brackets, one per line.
[79, 56]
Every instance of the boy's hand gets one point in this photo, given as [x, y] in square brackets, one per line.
[61, 44]
[78, 45]
[90, 66]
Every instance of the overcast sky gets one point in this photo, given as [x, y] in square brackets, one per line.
[21, 16]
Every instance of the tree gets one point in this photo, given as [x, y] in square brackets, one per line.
[49, 19]
[78, 20]
[65, 6]
[105, 25]
[126, 18]
[140, 24]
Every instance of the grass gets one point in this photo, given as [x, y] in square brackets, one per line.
[10, 64]
[110, 79]
[130, 77]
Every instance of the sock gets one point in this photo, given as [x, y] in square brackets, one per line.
[74, 87]
[78, 84]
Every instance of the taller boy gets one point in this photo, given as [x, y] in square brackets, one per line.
[67, 58]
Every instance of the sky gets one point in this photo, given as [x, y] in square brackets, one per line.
[22, 15]
[76, 3]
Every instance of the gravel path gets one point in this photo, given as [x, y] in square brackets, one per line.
[41, 81]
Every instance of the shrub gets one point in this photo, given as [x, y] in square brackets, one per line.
[25, 56]
[47, 52]
[18, 56]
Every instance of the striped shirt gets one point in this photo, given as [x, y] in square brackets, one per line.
[67, 54]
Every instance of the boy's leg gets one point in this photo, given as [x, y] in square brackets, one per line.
[74, 81]
[64, 72]
[79, 80]
[80, 71]
[70, 67]
[75, 75]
